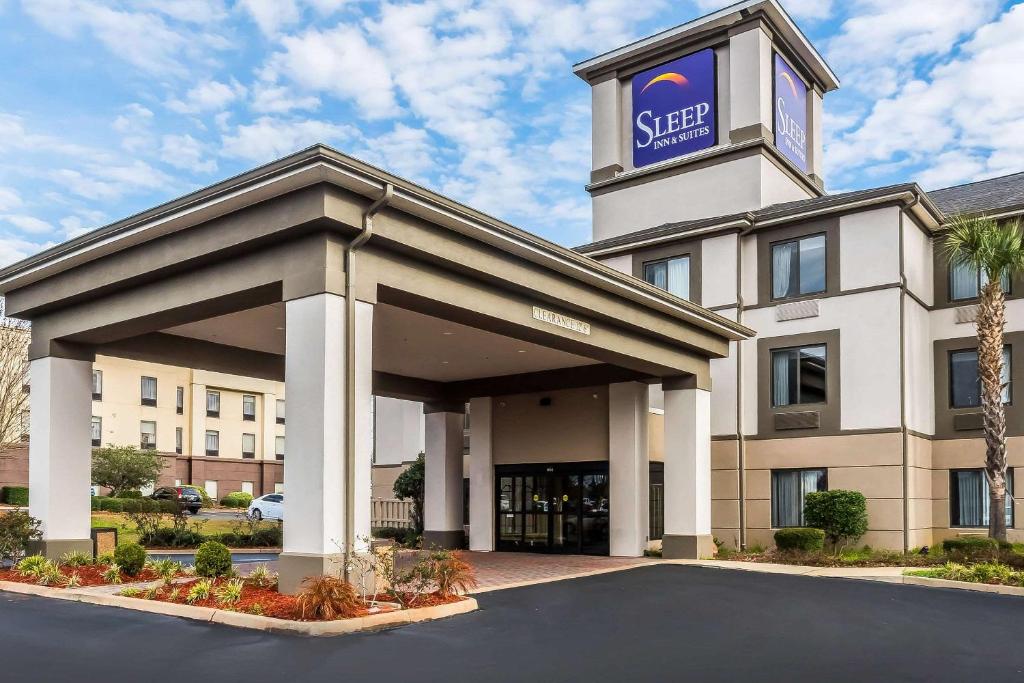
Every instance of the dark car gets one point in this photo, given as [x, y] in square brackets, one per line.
[187, 496]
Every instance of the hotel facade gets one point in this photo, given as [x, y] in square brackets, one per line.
[732, 338]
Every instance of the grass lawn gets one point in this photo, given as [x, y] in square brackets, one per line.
[126, 532]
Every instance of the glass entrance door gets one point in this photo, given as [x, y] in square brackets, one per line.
[560, 508]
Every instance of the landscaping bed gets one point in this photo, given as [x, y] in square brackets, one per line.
[89, 575]
[990, 573]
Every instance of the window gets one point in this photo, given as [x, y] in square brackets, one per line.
[966, 281]
[249, 408]
[248, 445]
[247, 487]
[280, 411]
[964, 381]
[798, 267]
[798, 375]
[147, 436]
[97, 385]
[279, 448]
[969, 498]
[212, 443]
[671, 274]
[149, 391]
[96, 431]
[212, 404]
[179, 401]
[177, 440]
[788, 490]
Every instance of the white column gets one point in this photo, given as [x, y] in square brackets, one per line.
[687, 474]
[198, 423]
[750, 82]
[481, 476]
[817, 161]
[628, 468]
[442, 494]
[363, 472]
[269, 428]
[314, 502]
[60, 454]
[606, 132]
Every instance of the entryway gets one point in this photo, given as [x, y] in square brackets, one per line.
[553, 508]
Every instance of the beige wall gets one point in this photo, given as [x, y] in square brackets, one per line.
[573, 428]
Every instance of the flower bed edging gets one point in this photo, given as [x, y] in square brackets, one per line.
[930, 582]
[371, 622]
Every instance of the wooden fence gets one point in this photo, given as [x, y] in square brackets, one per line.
[390, 513]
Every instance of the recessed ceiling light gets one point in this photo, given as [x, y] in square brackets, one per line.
[447, 334]
[521, 351]
[444, 362]
[278, 328]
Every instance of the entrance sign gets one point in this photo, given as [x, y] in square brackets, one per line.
[790, 114]
[674, 108]
[559, 320]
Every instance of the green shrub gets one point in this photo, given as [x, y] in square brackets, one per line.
[111, 505]
[94, 503]
[17, 530]
[842, 515]
[270, 537]
[135, 505]
[130, 557]
[14, 495]
[393, 533]
[800, 538]
[971, 548]
[213, 559]
[129, 494]
[236, 499]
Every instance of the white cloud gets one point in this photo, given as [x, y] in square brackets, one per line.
[26, 223]
[134, 126]
[189, 11]
[270, 98]
[271, 15]
[403, 150]
[269, 138]
[14, 249]
[185, 152]
[209, 95]
[9, 199]
[811, 10]
[108, 182]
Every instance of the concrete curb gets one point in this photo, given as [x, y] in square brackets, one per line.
[372, 622]
[962, 585]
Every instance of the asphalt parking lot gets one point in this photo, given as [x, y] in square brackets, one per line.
[656, 623]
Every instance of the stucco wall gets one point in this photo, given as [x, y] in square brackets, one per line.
[573, 428]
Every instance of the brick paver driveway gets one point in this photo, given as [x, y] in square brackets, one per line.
[496, 570]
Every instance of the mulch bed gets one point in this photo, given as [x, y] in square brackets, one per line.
[268, 602]
[829, 560]
[89, 575]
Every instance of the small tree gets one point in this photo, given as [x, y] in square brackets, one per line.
[842, 515]
[14, 339]
[409, 484]
[124, 468]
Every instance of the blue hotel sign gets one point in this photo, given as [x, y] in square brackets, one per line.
[674, 108]
[790, 114]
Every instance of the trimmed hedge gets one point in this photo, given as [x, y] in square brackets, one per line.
[129, 494]
[236, 499]
[111, 505]
[841, 514]
[213, 559]
[14, 495]
[800, 538]
[130, 557]
[971, 548]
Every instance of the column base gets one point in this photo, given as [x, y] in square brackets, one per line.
[451, 540]
[294, 568]
[53, 548]
[680, 547]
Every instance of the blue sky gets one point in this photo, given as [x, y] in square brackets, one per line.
[108, 108]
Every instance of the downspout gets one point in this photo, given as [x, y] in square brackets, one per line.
[904, 435]
[741, 441]
[350, 369]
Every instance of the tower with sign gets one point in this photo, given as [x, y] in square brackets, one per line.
[715, 117]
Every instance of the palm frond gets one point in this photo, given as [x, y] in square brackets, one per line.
[985, 244]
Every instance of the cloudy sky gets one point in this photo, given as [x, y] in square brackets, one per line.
[110, 107]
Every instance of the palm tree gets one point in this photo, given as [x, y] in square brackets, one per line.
[996, 251]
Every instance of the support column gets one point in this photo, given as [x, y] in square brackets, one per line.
[314, 504]
[628, 468]
[442, 494]
[687, 472]
[197, 425]
[363, 472]
[60, 454]
[481, 476]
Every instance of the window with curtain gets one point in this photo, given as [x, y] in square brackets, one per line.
[798, 267]
[798, 375]
[212, 404]
[97, 385]
[248, 408]
[280, 411]
[671, 274]
[279, 447]
[965, 382]
[248, 445]
[147, 435]
[177, 440]
[149, 391]
[179, 400]
[788, 490]
[966, 281]
[969, 498]
[212, 443]
[96, 431]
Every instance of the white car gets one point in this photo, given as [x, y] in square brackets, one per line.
[270, 506]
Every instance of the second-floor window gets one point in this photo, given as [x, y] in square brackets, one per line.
[97, 385]
[212, 404]
[798, 267]
[96, 431]
[147, 435]
[149, 391]
[248, 445]
[179, 401]
[212, 443]
[966, 281]
[249, 408]
[798, 375]
[671, 274]
[279, 447]
[964, 381]
[280, 411]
